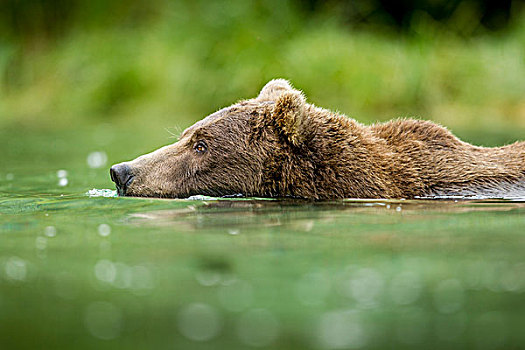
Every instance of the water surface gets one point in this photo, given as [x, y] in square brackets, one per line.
[106, 272]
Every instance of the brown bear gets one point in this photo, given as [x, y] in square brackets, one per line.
[278, 145]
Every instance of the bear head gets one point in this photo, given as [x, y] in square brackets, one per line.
[252, 148]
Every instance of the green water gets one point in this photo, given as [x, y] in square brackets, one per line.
[105, 272]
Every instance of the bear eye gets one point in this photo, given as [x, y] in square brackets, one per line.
[200, 147]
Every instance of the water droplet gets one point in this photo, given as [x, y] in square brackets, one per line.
[123, 276]
[449, 296]
[104, 230]
[50, 231]
[199, 322]
[258, 327]
[103, 320]
[366, 287]
[513, 279]
[341, 329]
[105, 271]
[61, 173]
[208, 278]
[233, 231]
[97, 159]
[41, 243]
[398, 208]
[63, 182]
[16, 269]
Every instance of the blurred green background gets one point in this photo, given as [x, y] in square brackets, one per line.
[155, 65]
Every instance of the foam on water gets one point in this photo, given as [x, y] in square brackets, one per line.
[113, 193]
[102, 193]
[474, 197]
[95, 192]
[200, 197]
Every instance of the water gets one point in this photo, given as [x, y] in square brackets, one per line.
[102, 193]
[81, 267]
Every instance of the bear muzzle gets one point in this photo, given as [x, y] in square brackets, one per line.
[122, 176]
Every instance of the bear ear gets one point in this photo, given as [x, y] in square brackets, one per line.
[273, 89]
[289, 116]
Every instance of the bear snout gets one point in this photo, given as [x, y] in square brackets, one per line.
[122, 176]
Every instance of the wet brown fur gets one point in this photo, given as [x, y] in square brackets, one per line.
[277, 145]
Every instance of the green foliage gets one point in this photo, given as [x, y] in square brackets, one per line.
[183, 60]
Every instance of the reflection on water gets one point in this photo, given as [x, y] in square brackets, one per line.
[249, 272]
[302, 214]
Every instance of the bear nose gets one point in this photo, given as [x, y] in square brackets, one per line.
[121, 176]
